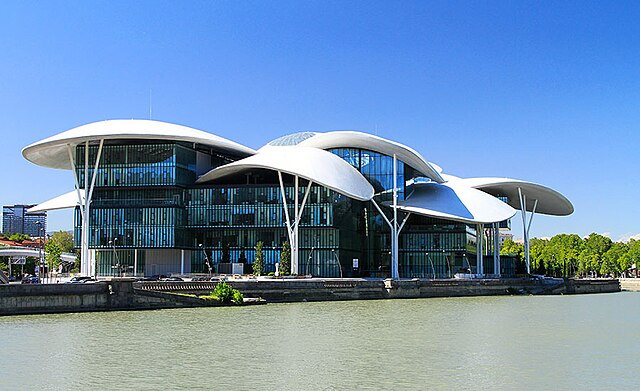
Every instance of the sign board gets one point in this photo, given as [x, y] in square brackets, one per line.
[19, 260]
[355, 263]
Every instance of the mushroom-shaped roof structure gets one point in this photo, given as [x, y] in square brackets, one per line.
[312, 164]
[549, 201]
[457, 202]
[65, 201]
[353, 139]
[52, 152]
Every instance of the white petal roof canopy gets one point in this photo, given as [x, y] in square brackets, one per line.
[66, 201]
[457, 202]
[52, 152]
[312, 164]
[549, 201]
[353, 139]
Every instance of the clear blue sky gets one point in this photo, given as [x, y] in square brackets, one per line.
[542, 91]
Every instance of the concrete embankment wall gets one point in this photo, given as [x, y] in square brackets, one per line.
[630, 284]
[291, 290]
[101, 296]
[124, 294]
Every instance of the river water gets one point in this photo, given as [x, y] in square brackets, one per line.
[524, 342]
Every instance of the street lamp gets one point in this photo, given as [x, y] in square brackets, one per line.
[40, 250]
[433, 270]
[338, 260]
[115, 254]
[206, 259]
[464, 256]
[446, 258]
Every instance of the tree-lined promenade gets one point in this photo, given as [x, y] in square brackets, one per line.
[568, 255]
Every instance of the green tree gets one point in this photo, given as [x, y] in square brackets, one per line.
[285, 259]
[53, 252]
[258, 262]
[537, 250]
[60, 242]
[591, 257]
[509, 247]
[19, 238]
[614, 259]
[64, 240]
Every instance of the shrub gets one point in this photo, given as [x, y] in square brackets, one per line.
[258, 262]
[285, 259]
[225, 294]
[238, 298]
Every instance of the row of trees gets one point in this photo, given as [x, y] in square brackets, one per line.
[567, 255]
[284, 269]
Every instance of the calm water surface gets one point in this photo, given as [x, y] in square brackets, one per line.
[533, 342]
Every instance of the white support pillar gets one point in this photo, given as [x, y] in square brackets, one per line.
[395, 232]
[496, 249]
[479, 249]
[293, 226]
[135, 262]
[87, 265]
[526, 225]
[296, 212]
[181, 261]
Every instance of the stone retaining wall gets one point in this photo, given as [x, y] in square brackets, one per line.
[630, 284]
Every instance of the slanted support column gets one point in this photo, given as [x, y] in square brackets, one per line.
[526, 225]
[496, 249]
[87, 265]
[395, 232]
[479, 249]
[395, 227]
[292, 226]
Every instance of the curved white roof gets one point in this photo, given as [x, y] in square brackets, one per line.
[550, 202]
[313, 164]
[52, 152]
[457, 202]
[353, 139]
[30, 252]
[65, 201]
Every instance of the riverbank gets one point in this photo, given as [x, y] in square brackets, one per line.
[630, 284]
[125, 294]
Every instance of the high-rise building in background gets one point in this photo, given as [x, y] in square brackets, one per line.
[16, 219]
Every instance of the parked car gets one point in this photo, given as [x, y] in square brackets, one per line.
[30, 280]
[172, 279]
[79, 280]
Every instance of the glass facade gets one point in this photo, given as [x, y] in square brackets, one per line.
[146, 200]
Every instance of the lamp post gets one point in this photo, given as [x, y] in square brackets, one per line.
[433, 270]
[115, 254]
[206, 259]
[338, 260]
[464, 256]
[446, 258]
[40, 250]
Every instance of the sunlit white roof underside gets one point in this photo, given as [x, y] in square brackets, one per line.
[312, 164]
[353, 139]
[457, 202]
[549, 201]
[52, 152]
[65, 201]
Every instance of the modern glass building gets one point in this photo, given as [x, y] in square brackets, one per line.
[164, 198]
[17, 220]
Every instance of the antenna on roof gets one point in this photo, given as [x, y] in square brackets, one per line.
[149, 103]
